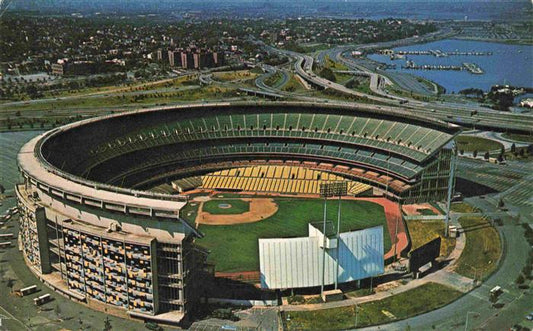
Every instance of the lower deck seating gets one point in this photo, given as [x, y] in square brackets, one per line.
[276, 179]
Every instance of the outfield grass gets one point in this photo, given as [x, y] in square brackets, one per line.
[235, 247]
[423, 231]
[471, 143]
[482, 250]
[190, 211]
[419, 300]
[238, 206]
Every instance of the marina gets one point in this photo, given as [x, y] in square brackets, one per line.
[480, 71]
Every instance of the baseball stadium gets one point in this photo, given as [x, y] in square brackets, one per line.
[135, 211]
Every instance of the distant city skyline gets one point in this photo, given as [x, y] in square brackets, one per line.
[172, 9]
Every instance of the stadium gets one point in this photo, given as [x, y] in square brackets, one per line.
[136, 209]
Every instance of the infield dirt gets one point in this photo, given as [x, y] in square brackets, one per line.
[260, 208]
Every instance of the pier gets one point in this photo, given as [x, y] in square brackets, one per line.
[470, 67]
[433, 52]
[473, 68]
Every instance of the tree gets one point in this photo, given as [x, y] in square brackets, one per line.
[328, 74]
[107, 324]
[487, 156]
[58, 310]
[474, 153]
[352, 84]
[520, 279]
[32, 91]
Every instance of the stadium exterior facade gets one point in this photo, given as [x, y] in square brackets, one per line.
[89, 230]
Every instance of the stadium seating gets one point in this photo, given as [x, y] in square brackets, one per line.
[404, 139]
[147, 146]
[154, 158]
[274, 178]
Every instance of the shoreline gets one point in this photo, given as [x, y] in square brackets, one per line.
[473, 82]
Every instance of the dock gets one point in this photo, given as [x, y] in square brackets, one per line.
[470, 67]
[473, 68]
[433, 52]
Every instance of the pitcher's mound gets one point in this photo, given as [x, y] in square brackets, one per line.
[260, 209]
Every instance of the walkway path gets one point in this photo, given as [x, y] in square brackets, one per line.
[517, 303]
[497, 136]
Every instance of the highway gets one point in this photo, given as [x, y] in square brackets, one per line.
[269, 72]
[469, 115]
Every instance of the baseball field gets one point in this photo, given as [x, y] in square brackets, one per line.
[234, 248]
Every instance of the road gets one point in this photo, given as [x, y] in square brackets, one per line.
[269, 72]
[517, 303]
[463, 114]
[513, 181]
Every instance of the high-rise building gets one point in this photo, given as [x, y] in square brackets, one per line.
[171, 58]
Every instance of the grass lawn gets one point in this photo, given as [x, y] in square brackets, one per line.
[471, 143]
[238, 206]
[329, 63]
[426, 212]
[363, 85]
[342, 78]
[394, 89]
[191, 93]
[190, 211]
[235, 247]
[419, 300]
[482, 250]
[436, 206]
[294, 85]
[423, 231]
[461, 207]
[226, 76]
[527, 138]
[426, 82]
[275, 78]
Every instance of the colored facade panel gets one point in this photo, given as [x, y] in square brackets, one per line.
[298, 262]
